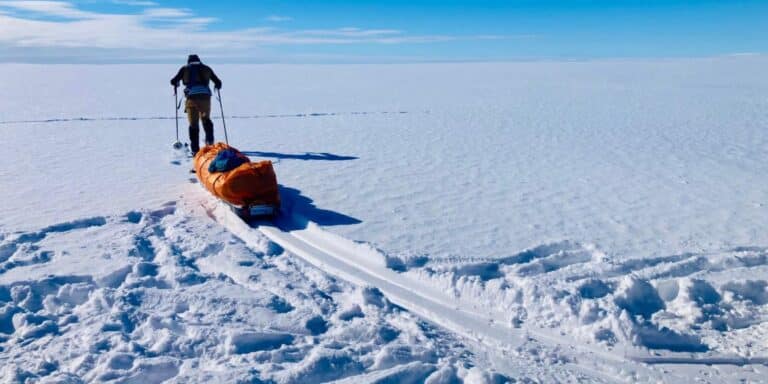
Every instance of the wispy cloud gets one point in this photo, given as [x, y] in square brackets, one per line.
[167, 13]
[278, 19]
[47, 8]
[135, 3]
[57, 25]
[351, 32]
[742, 54]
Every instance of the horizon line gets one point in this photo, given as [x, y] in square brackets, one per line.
[373, 61]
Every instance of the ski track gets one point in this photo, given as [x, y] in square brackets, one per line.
[633, 158]
[367, 266]
[356, 263]
[234, 117]
[340, 257]
[167, 295]
[165, 252]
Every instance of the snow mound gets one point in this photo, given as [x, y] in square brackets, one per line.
[695, 302]
[166, 294]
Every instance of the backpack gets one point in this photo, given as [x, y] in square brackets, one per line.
[195, 86]
[225, 161]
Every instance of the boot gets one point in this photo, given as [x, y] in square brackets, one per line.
[194, 139]
[208, 127]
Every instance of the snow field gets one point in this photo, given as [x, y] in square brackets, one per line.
[602, 213]
[680, 303]
[167, 294]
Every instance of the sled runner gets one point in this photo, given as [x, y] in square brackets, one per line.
[249, 188]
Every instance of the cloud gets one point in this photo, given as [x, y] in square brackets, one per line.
[278, 19]
[158, 31]
[167, 13]
[351, 32]
[48, 8]
[135, 3]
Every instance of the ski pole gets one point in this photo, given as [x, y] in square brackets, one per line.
[176, 104]
[223, 122]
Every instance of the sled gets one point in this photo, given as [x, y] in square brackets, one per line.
[250, 189]
[255, 211]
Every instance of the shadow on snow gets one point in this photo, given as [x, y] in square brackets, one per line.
[300, 156]
[300, 210]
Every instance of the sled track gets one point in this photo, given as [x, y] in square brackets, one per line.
[235, 117]
[357, 263]
[347, 260]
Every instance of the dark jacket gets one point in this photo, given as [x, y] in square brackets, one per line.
[196, 77]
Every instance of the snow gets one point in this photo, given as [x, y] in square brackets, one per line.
[477, 223]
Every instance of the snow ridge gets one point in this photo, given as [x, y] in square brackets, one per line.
[367, 266]
[166, 295]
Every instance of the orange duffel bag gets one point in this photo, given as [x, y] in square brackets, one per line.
[248, 185]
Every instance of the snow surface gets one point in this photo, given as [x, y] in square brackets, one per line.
[553, 221]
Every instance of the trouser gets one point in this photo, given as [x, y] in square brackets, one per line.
[199, 108]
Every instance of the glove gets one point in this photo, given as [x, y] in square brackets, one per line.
[175, 84]
[217, 86]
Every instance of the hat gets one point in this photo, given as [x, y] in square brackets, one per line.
[192, 59]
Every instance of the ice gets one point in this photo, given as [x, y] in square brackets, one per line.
[593, 221]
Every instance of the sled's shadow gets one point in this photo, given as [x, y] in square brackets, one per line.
[300, 156]
[298, 210]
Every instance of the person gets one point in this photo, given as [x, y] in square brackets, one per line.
[196, 77]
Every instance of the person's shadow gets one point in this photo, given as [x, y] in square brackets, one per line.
[300, 156]
[298, 210]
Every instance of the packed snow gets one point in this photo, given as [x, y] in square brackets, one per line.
[599, 221]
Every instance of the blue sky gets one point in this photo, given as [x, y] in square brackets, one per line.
[377, 31]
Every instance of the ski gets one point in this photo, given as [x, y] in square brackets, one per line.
[256, 211]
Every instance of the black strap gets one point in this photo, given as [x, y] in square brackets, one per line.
[194, 75]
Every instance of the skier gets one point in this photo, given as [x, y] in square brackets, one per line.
[196, 77]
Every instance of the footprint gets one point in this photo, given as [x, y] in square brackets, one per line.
[156, 370]
[634, 265]
[142, 248]
[7, 250]
[538, 260]
[387, 334]
[133, 217]
[121, 361]
[688, 264]
[555, 261]
[351, 313]
[34, 237]
[316, 325]
[279, 305]
[247, 342]
[145, 269]
[484, 271]
[542, 251]
[77, 224]
[755, 291]
[167, 210]
[26, 255]
[594, 289]
[638, 297]
[405, 262]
